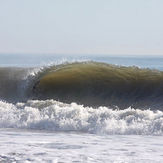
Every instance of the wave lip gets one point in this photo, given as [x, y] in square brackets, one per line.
[56, 116]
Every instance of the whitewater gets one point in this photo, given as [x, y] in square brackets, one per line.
[38, 127]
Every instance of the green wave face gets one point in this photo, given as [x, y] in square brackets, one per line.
[100, 84]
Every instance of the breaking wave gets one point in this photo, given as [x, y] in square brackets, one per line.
[87, 83]
[88, 97]
[56, 116]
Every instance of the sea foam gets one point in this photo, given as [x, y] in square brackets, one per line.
[56, 116]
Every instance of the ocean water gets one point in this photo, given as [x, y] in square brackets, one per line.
[37, 60]
[81, 109]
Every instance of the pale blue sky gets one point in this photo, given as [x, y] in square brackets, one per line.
[81, 26]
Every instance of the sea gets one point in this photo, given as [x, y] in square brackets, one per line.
[81, 108]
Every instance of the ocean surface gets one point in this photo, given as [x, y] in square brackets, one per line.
[100, 108]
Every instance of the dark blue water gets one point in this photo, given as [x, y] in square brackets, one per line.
[35, 60]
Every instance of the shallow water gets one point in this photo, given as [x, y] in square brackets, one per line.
[37, 146]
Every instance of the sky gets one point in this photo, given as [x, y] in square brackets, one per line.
[117, 27]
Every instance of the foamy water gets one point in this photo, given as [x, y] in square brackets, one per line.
[56, 116]
[51, 131]
[40, 146]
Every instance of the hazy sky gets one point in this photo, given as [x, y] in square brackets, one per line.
[81, 26]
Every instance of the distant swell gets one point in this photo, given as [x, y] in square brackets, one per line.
[56, 116]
